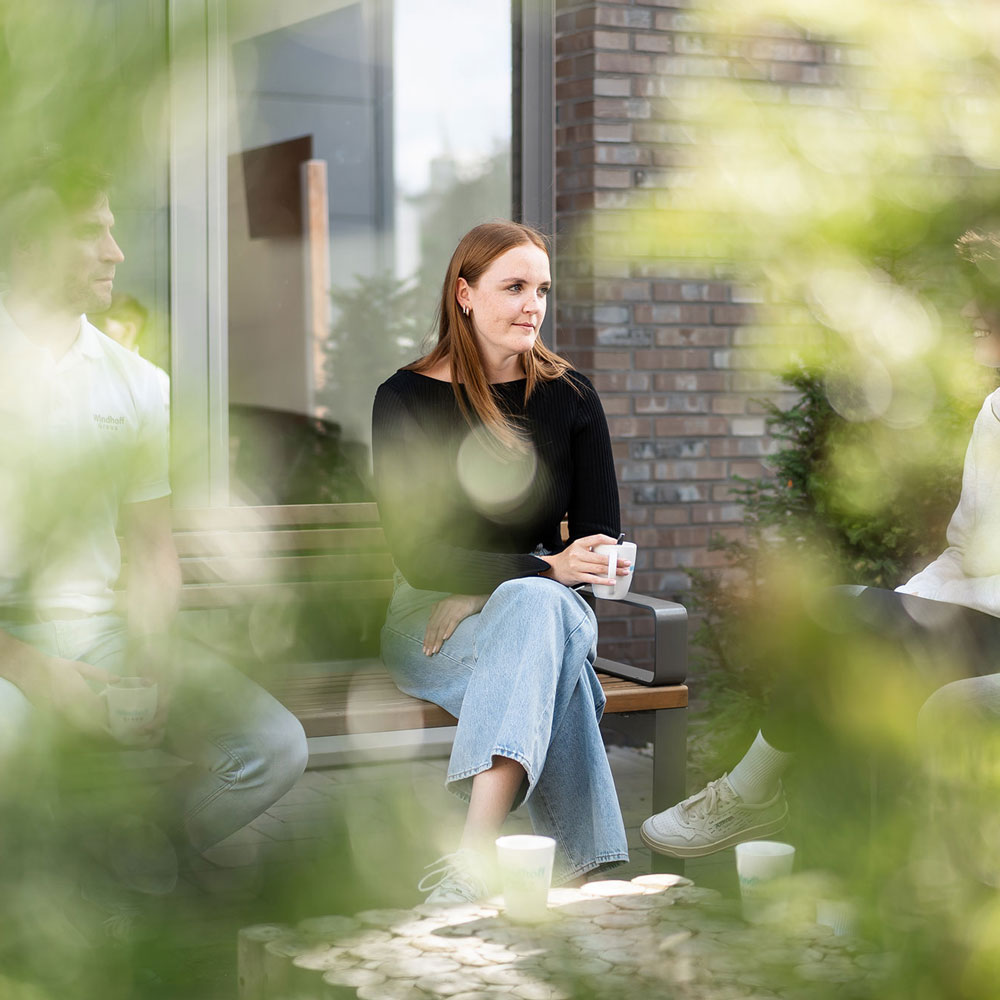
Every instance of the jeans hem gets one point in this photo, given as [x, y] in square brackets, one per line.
[471, 772]
[603, 862]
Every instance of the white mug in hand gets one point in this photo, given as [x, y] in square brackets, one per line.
[625, 551]
[131, 707]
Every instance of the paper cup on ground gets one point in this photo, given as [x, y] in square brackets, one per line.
[526, 872]
[131, 707]
[759, 863]
[613, 553]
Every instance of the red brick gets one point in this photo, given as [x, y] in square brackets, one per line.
[785, 51]
[732, 315]
[676, 21]
[741, 448]
[610, 107]
[617, 405]
[691, 426]
[567, 20]
[609, 16]
[690, 469]
[611, 132]
[655, 313]
[621, 62]
[686, 336]
[672, 358]
[621, 382]
[622, 155]
[747, 470]
[718, 514]
[608, 177]
[630, 427]
[725, 493]
[634, 516]
[673, 515]
[705, 559]
[689, 382]
[611, 40]
[567, 90]
[687, 537]
[610, 86]
[646, 583]
[654, 404]
[649, 538]
[686, 291]
[668, 559]
[577, 41]
[653, 43]
[729, 404]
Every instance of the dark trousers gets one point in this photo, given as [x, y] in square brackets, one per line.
[937, 642]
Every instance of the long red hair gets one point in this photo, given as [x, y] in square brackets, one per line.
[457, 342]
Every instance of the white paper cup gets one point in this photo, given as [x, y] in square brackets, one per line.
[131, 707]
[613, 553]
[526, 872]
[758, 863]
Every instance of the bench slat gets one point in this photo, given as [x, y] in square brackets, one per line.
[270, 518]
[240, 569]
[369, 702]
[221, 542]
[206, 596]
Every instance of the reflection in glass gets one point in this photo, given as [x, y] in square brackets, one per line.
[358, 155]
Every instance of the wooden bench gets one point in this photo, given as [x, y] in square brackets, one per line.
[304, 590]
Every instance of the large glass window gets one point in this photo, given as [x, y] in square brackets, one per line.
[364, 138]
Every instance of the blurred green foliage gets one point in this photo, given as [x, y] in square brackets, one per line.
[836, 192]
[806, 506]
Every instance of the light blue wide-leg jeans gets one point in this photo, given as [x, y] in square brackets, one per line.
[245, 749]
[519, 677]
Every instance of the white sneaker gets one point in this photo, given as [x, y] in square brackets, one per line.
[711, 820]
[455, 878]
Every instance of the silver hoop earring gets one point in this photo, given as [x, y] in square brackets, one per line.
[465, 309]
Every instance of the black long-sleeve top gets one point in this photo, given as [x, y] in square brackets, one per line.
[460, 519]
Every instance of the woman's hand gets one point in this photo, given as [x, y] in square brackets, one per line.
[445, 618]
[578, 563]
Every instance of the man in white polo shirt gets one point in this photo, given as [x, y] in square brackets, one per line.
[83, 453]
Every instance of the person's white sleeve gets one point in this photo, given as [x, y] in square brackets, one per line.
[968, 571]
[149, 478]
[930, 581]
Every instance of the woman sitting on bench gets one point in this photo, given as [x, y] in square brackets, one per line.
[480, 448]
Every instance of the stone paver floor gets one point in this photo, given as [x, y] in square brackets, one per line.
[351, 839]
[657, 936]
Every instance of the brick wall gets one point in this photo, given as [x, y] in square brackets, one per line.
[664, 341]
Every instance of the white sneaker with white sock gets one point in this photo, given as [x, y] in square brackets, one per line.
[746, 804]
[711, 820]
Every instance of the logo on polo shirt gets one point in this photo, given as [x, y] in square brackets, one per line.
[108, 423]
